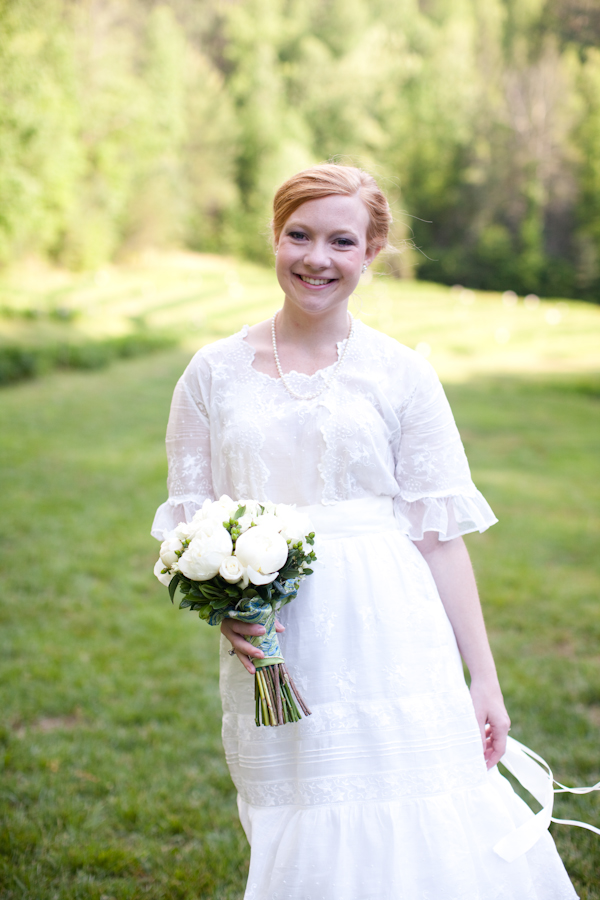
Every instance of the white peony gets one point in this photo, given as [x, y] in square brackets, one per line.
[268, 520]
[252, 507]
[257, 578]
[207, 550]
[185, 531]
[245, 522]
[168, 551]
[295, 525]
[233, 571]
[263, 552]
[164, 579]
[222, 509]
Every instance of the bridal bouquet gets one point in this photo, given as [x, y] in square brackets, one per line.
[244, 560]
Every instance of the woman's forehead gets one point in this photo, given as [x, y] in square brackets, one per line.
[335, 212]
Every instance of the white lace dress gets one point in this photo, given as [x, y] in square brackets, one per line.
[383, 793]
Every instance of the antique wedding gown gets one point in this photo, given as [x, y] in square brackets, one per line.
[382, 793]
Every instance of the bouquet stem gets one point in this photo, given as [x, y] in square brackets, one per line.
[275, 696]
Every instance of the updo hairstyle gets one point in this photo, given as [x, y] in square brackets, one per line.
[323, 181]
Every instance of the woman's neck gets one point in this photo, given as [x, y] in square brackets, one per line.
[312, 330]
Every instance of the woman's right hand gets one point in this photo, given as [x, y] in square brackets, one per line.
[234, 631]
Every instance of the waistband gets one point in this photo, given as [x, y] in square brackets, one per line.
[352, 517]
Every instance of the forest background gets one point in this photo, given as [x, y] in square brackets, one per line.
[128, 123]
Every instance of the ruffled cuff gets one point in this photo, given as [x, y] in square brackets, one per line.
[172, 512]
[449, 516]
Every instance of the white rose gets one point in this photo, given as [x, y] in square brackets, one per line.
[268, 506]
[168, 551]
[164, 579]
[233, 571]
[207, 550]
[263, 552]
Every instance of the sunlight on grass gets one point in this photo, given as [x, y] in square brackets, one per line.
[200, 298]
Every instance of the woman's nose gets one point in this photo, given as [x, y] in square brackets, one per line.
[317, 256]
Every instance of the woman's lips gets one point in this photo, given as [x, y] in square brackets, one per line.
[314, 282]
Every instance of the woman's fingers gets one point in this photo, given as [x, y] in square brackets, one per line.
[242, 628]
[237, 639]
[496, 732]
[243, 649]
[236, 632]
[245, 661]
[493, 722]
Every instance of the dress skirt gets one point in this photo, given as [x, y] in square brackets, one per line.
[383, 792]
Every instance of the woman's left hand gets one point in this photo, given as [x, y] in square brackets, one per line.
[492, 719]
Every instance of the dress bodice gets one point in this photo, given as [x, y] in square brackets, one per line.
[383, 427]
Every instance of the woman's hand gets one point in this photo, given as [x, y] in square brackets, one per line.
[492, 719]
[234, 631]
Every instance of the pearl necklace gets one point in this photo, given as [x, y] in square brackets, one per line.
[327, 381]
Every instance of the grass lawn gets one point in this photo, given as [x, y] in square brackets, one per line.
[199, 298]
[113, 780]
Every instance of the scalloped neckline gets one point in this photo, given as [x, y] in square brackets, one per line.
[252, 355]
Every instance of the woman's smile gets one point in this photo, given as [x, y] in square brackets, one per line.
[321, 251]
[315, 282]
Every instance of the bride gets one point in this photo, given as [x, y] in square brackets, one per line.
[389, 790]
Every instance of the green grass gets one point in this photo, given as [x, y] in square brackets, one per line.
[198, 298]
[113, 780]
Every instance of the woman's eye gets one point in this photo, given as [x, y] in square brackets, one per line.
[296, 235]
[344, 242]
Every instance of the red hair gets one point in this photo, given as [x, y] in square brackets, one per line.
[325, 180]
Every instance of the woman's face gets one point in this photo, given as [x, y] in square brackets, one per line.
[321, 251]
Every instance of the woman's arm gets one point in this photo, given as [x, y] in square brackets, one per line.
[453, 574]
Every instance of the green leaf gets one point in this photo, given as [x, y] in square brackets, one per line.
[307, 571]
[241, 510]
[173, 585]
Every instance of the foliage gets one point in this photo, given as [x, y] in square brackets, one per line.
[129, 123]
[21, 362]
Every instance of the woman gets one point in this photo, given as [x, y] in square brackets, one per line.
[389, 790]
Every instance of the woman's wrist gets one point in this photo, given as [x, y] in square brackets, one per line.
[487, 683]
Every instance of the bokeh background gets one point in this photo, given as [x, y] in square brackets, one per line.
[140, 145]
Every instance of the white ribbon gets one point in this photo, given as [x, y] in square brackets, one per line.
[539, 781]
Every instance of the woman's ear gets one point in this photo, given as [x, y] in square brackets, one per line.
[371, 254]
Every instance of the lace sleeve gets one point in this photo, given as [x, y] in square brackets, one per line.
[436, 492]
[188, 449]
